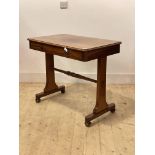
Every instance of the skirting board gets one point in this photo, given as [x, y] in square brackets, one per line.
[111, 78]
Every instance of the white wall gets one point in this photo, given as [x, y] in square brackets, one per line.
[108, 19]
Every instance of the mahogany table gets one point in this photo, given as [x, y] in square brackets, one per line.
[82, 49]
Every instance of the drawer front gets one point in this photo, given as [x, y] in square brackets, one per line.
[55, 50]
[100, 53]
[73, 54]
[36, 46]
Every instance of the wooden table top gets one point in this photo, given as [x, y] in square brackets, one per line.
[75, 42]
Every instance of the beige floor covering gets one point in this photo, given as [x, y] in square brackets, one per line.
[56, 125]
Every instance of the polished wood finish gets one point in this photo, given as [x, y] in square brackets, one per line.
[75, 42]
[45, 93]
[78, 48]
[101, 106]
[50, 76]
[51, 86]
[75, 75]
[101, 85]
[90, 117]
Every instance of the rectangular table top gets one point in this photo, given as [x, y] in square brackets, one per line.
[75, 42]
[78, 47]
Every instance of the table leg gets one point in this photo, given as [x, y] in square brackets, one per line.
[101, 106]
[51, 86]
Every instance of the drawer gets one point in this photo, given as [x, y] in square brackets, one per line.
[55, 50]
[36, 46]
[65, 52]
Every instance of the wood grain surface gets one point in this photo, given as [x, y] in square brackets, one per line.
[75, 42]
[55, 126]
